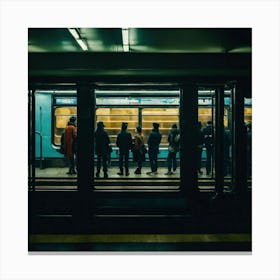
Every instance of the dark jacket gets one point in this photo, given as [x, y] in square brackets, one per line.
[124, 141]
[154, 140]
[102, 142]
[208, 135]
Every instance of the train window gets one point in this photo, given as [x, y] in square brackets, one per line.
[205, 115]
[113, 118]
[61, 118]
[164, 116]
[248, 115]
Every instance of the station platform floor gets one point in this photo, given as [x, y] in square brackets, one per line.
[112, 173]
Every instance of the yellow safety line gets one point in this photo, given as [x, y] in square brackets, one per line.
[146, 238]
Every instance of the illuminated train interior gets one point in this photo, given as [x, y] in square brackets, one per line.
[136, 107]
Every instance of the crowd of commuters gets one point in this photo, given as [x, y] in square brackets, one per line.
[126, 143]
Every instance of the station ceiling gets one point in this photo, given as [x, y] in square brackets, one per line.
[143, 40]
[154, 53]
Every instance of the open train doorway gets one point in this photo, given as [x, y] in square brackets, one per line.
[141, 109]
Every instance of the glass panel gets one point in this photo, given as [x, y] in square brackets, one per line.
[113, 118]
[206, 135]
[50, 122]
[164, 116]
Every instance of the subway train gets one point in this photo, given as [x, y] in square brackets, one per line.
[53, 108]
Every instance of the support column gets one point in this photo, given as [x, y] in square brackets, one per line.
[239, 141]
[85, 157]
[85, 130]
[31, 139]
[219, 141]
[188, 140]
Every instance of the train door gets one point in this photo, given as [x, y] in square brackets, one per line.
[207, 119]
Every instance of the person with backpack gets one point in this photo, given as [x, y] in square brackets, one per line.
[124, 142]
[173, 148]
[139, 149]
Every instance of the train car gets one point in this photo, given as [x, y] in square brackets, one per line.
[138, 107]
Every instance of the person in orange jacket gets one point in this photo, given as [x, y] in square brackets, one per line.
[70, 136]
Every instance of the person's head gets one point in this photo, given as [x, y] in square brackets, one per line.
[138, 129]
[100, 125]
[156, 125]
[124, 125]
[174, 125]
[209, 123]
[72, 119]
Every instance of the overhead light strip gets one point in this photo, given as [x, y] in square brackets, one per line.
[75, 33]
[125, 39]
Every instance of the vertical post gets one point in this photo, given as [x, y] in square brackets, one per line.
[188, 140]
[85, 129]
[32, 137]
[219, 141]
[239, 141]
[85, 157]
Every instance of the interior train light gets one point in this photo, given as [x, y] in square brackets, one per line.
[125, 39]
[75, 33]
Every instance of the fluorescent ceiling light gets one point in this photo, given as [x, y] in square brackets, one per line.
[125, 39]
[75, 33]
[82, 44]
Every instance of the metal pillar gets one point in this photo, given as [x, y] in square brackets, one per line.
[239, 141]
[188, 140]
[219, 141]
[31, 139]
[85, 156]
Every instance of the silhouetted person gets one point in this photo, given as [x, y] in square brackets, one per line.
[69, 145]
[208, 142]
[227, 144]
[154, 140]
[102, 142]
[124, 142]
[174, 144]
[200, 141]
[138, 149]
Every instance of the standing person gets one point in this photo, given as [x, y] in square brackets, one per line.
[208, 141]
[102, 142]
[227, 144]
[124, 142]
[173, 148]
[69, 144]
[154, 140]
[199, 147]
[139, 149]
